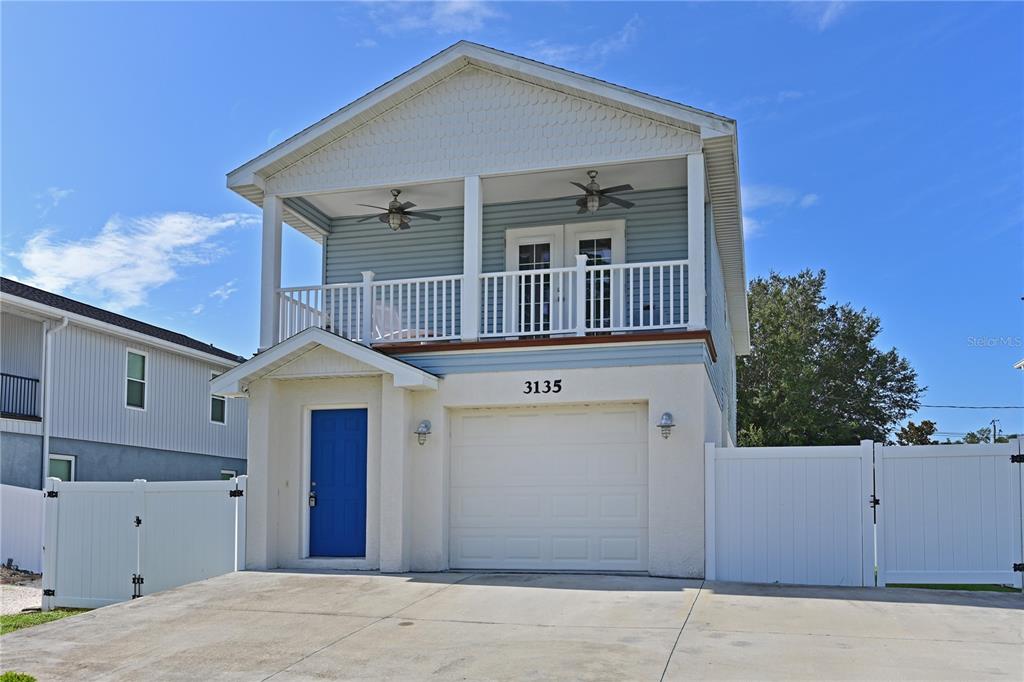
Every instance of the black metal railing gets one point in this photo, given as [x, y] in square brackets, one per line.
[19, 396]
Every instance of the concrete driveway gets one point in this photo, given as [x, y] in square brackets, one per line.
[299, 626]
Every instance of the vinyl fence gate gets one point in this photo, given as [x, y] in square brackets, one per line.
[106, 542]
[865, 514]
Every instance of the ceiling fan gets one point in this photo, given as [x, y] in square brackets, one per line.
[596, 197]
[397, 214]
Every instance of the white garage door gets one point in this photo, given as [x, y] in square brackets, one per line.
[561, 488]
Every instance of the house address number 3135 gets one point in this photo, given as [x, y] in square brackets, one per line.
[546, 386]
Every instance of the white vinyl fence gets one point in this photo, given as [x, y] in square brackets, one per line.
[106, 542]
[21, 534]
[942, 514]
[789, 515]
[949, 514]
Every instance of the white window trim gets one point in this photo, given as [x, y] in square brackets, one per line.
[564, 236]
[68, 458]
[514, 237]
[615, 229]
[145, 380]
[213, 396]
[233, 472]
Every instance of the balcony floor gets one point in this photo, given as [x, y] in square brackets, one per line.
[403, 348]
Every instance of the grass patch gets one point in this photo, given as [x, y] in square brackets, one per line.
[19, 621]
[11, 676]
[967, 588]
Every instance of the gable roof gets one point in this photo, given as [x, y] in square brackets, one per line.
[10, 287]
[233, 382]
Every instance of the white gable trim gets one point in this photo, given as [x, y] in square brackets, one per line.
[233, 383]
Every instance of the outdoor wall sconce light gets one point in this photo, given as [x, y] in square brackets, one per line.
[422, 431]
[666, 424]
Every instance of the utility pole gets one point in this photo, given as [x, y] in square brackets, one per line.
[995, 429]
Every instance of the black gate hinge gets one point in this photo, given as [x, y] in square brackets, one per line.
[1018, 568]
[875, 501]
[1016, 459]
[237, 492]
[52, 493]
[49, 593]
[138, 522]
[137, 582]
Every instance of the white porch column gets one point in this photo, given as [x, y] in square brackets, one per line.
[473, 223]
[395, 477]
[695, 233]
[270, 271]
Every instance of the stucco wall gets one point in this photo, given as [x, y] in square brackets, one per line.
[407, 507]
[21, 457]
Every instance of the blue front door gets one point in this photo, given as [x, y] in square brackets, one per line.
[337, 483]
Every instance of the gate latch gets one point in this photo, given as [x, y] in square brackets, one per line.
[875, 501]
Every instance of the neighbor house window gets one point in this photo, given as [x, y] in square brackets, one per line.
[62, 467]
[218, 405]
[135, 390]
[227, 474]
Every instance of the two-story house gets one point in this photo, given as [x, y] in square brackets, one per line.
[91, 395]
[522, 335]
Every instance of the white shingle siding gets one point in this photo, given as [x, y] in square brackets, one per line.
[89, 398]
[478, 122]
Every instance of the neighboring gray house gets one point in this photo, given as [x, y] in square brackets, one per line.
[107, 397]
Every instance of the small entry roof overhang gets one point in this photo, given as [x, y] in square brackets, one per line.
[234, 382]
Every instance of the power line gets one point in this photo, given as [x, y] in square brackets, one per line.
[978, 407]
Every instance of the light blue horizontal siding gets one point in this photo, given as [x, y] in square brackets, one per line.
[722, 372]
[620, 355]
[428, 249]
[655, 227]
[655, 230]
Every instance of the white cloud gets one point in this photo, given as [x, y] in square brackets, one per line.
[454, 16]
[808, 200]
[819, 15]
[765, 196]
[49, 198]
[594, 52]
[198, 308]
[768, 198]
[224, 291]
[366, 42]
[128, 258]
[751, 226]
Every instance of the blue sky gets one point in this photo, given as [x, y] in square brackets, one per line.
[882, 142]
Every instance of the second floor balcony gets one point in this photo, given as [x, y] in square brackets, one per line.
[19, 397]
[540, 301]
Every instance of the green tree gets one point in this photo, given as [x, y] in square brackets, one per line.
[917, 434]
[814, 375]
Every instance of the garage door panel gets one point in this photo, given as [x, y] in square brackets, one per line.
[549, 488]
[510, 465]
[557, 549]
[494, 507]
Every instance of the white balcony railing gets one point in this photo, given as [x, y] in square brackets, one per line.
[558, 301]
[594, 298]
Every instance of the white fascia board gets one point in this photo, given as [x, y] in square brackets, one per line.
[708, 124]
[113, 329]
[405, 375]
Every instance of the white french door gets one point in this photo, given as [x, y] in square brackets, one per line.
[546, 256]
